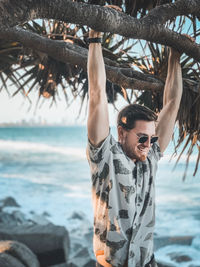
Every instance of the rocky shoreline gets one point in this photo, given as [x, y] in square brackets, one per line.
[36, 242]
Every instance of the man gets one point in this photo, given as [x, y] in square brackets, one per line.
[123, 172]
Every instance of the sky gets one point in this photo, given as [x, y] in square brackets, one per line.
[16, 109]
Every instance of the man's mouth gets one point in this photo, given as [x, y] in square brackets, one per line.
[143, 150]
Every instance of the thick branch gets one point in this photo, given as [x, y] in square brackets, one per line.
[163, 13]
[99, 18]
[76, 55]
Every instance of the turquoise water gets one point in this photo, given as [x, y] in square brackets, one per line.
[45, 169]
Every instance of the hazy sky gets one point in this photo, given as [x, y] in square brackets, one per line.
[15, 109]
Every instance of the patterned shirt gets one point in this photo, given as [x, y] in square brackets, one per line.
[123, 196]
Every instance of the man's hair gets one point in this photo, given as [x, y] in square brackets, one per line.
[132, 113]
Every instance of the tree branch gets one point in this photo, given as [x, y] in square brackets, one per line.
[76, 55]
[163, 13]
[101, 19]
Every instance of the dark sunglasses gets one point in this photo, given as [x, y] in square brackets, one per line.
[143, 139]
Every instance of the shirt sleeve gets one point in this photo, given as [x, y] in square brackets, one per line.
[98, 154]
[98, 158]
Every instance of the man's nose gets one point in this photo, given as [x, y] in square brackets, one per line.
[147, 143]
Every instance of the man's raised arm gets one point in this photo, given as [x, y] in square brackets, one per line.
[98, 120]
[171, 101]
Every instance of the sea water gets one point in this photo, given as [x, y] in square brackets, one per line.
[45, 169]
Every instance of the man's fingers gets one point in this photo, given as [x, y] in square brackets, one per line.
[94, 34]
[189, 37]
[177, 54]
[174, 52]
[114, 7]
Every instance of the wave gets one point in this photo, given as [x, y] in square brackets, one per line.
[41, 148]
[9, 145]
[169, 159]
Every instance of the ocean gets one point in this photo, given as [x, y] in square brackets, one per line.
[45, 169]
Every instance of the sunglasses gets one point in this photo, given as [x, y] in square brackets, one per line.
[142, 139]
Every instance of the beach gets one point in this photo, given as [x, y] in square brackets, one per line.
[45, 169]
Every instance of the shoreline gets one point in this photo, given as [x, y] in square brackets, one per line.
[167, 249]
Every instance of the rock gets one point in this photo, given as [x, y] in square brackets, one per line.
[79, 216]
[8, 202]
[71, 264]
[196, 242]
[50, 242]
[82, 253]
[165, 241]
[46, 214]
[60, 265]
[7, 219]
[164, 264]
[89, 236]
[77, 246]
[80, 258]
[20, 252]
[9, 261]
[19, 217]
[90, 263]
[179, 257]
[14, 218]
[39, 219]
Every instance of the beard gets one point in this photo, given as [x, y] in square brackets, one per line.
[136, 153]
[143, 158]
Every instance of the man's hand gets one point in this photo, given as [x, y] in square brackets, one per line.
[114, 7]
[93, 33]
[174, 53]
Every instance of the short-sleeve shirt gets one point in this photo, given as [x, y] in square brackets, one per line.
[123, 195]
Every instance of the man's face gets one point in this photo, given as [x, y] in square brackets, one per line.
[130, 143]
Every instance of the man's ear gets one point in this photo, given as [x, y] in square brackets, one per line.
[121, 132]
